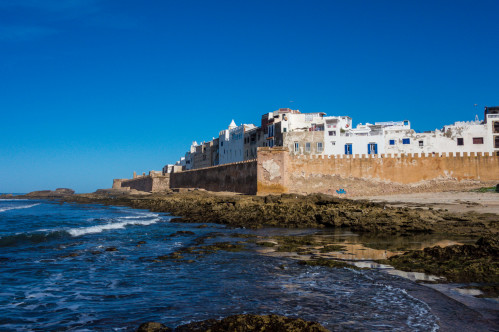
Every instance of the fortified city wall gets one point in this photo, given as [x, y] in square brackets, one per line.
[236, 177]
[279, 172]
[149, 183]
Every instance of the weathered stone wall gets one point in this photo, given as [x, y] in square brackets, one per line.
[236, 177]
[117, 183]
[161, 183]
[302, 138]
[271, 172]
[278, 171]
[144, 183]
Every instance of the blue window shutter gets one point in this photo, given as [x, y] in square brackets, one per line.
[375, 148]
[346, 149]
[368, 148]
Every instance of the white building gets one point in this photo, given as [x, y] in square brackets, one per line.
[341, 138]
[231, 143]
[303, 122]
[398, 138]
[472, 136]
[189, 156]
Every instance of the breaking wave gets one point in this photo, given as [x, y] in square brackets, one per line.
[113, 225]
[44, 235]
[7, 208]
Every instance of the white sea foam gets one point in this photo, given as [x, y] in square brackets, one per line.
[12, 199]
[7, 208]
[110, 226]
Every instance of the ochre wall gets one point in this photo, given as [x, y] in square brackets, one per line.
[276, 171]
[279, 172]
[145, 183]
[271, 170]
[236, 177]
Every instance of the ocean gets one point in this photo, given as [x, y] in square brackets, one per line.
[87, 267]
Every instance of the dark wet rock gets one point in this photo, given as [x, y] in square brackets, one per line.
[174, 255]
[315, 210]
[73, 254]
[96, 252]
[248, 323]
[328, 263]
[477, 262]
[177, 233]
[141, 242]
[202, 226]
[266, 244]
[4, 196]
[111, 249]
[112, 192]
[332, 248]
[225, 246]
[153, 327]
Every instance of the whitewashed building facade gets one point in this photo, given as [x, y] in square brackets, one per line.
[231, 143]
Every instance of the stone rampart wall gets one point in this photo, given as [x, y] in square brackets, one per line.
[237, 177]
[278, 171]
[144, 183]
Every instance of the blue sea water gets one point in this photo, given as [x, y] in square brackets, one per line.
[55, 274]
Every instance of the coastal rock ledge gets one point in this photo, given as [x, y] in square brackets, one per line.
[58, 193]
[242, 323]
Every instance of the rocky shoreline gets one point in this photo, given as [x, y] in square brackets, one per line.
[323, 211]
[299, 211]
[477, 263]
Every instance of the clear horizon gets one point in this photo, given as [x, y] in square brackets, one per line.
[94, 90]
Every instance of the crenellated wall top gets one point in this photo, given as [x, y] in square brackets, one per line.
[229, 164]
[398, 155]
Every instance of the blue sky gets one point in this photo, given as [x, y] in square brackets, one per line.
[91, 90]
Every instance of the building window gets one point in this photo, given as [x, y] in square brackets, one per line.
[495, 127]
[332, 133]
[333, 143]
[392, 142]
[297, 147]
[271, 131]
[348, 148]
[477, 140]
[307, 147]
[421, 143]
[285, 129]
[406, 141]
[460, 141]
[372, 148]
[319, 147]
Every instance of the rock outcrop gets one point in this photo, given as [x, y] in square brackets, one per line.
[243, 323]
[58, 193]
[477, 262]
